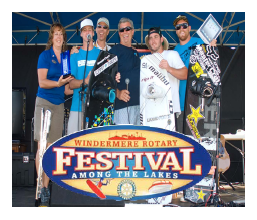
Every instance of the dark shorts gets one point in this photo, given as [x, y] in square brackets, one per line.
[57, 117]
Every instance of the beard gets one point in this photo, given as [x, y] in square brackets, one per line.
[156, 49]
[183, 37]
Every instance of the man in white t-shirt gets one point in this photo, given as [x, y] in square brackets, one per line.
[171, 62]
[176, 69]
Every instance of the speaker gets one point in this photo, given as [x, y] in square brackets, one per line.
[23, 169]
[235, 171]
[18, 112]
[61, 197]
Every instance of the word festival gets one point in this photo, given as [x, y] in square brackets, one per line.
[104, 161]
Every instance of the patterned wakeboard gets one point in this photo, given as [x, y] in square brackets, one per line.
[102, 91]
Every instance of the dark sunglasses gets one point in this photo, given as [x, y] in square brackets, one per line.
[126, 28]
[102, 26]
[183, 25]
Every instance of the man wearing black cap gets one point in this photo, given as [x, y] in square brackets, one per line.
[171, 62]
[183, 29]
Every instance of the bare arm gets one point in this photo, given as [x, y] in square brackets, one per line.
[67, 90]
[76, 83]
[180, 74]
[49, 84]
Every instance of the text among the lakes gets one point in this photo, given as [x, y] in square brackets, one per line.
[126, 139]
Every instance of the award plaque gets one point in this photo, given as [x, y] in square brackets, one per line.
[65, 62]
[209, 30]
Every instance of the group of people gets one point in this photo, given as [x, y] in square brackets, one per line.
[52, 85]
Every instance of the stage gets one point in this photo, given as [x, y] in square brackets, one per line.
[25, 196]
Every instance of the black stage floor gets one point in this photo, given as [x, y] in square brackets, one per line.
[25, 196]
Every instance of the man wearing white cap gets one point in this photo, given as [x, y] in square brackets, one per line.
[171, 62]
[102, 31]
[78, 63]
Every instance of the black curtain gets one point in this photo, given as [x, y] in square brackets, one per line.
[24, 74]
[233, 90]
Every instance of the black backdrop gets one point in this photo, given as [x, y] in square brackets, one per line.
[24, 74]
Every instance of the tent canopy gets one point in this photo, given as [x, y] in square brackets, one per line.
[32, 28]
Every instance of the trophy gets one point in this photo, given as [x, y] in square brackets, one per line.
[65, 61]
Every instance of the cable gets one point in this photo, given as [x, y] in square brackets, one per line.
[128, 113]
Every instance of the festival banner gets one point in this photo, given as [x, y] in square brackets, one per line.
[126, 162]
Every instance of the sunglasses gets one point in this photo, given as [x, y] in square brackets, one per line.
[126, 28]
[183, 25]
[102, 26]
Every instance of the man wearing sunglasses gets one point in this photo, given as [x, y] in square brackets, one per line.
[183, 29]
[127, 109]
[102, 31]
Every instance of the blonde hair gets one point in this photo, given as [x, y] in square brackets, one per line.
[50, 38]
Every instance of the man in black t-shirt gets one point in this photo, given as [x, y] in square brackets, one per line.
[127, 109]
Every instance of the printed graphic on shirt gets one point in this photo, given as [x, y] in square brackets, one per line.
[89, 63]
[186, 54]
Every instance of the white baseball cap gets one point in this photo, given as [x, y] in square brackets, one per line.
[86, 22]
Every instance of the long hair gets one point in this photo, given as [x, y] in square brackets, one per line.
[50, 37]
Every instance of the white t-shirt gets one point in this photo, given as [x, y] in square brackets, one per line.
[174, 61]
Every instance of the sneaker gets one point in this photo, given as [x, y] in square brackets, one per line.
[45, 197]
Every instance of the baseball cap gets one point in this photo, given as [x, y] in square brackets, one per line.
[155, 30]
[180, 17]
[158, 31]
[86, 22]
[105, 20]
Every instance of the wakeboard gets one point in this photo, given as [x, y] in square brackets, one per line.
[101, 96]
[156, 107]
[200, 121]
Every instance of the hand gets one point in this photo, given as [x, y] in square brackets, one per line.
[74, 49]
[63, 81]
[117, 77]
[164, 64]
[213, 43]
[123, 95]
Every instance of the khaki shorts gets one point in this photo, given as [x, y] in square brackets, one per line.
[57, 119]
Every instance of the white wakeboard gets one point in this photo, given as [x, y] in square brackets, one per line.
[156, 107]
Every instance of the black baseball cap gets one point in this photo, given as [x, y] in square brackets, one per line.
[155, 30]
[180, 17]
